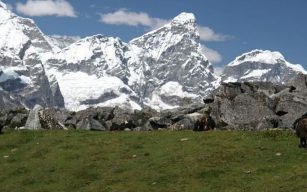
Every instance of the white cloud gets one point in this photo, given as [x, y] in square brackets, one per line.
[207, 34]
[212, 55]
[218, 70]
[125, 17]
[37, 8]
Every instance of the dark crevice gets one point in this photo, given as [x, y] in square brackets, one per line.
[281, 113]
[292, 88]
[208, 100]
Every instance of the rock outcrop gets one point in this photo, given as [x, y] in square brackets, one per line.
[40, 119]
[255, 106]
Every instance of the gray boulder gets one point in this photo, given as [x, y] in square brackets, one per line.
[244, 106]
[19, 120]
[38, 120]
[33, 121]
[13, 118]
[298, 82]
[89, 123]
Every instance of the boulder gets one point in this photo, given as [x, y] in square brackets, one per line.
[189, 120]
[268, 122]
[89, 123]
[13, 118]
[38, 119]
[290, 107]
[160, 122]
[19, 120]
[33, 121]
[246, 106]
[298, 83]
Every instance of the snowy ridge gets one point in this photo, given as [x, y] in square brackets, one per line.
[5, 14]
[261, 65]
[61, 42]
[262, 56]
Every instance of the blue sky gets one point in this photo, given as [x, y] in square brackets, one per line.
[229, 27]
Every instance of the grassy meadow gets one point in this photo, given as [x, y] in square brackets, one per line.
[43, 161]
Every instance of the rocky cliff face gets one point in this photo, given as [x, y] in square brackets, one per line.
[260, 65]
[167, 65]
[22, 74]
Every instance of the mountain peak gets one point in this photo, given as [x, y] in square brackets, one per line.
[261, 65]
[184, 18]
[258, 55]
[5, 13]
[3, 5]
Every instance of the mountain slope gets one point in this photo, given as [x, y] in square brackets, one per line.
[93, 72]
[261, 65]
[22, 74]
[62, 42]
[170, 57]
[163, 69]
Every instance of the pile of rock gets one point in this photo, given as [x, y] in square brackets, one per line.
[14, 118]
[97, 119]
[257, 106]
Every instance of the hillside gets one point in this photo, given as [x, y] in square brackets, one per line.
[151, 161]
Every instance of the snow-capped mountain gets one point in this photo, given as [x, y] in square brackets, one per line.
[261, 65]
[93, 72]
[62, 42]
[22, 74]
[163, 69]
[167, 65]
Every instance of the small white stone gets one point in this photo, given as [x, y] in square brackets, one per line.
[184, 139]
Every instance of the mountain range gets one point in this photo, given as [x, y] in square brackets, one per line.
[163, 69]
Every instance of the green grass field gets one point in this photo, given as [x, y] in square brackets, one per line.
[151, 161]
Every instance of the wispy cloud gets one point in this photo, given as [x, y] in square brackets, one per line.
[37, 8]
[212, 55]
[218, 70]
[125, 17]
[130, 18]
[207, 34]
